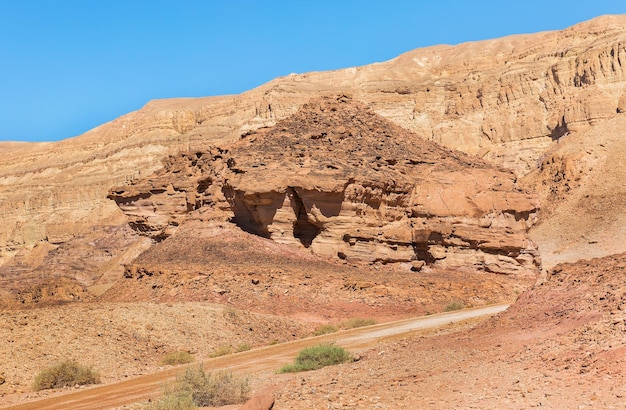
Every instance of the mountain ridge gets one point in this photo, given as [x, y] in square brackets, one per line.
[449, 177]
[549, 85]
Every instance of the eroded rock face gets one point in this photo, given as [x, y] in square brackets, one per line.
[506, 100]
[346, 183]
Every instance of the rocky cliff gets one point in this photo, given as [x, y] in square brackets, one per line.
[346, 183]
[507, 100]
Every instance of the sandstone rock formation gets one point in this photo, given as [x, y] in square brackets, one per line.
[214, 261]
[329, 190]
[344, 182]
[507, 100]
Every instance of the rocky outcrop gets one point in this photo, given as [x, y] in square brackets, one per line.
[506, 100]
[342, 181]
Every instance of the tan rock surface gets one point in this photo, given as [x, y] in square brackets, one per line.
[76, 270]
[504, 99]
[345, 183]
[582, 185]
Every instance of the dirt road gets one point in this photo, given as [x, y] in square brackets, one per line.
[257, 360]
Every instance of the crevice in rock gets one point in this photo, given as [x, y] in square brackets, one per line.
[250, 216]
[303, 229]
[204, 184]
[560, 130]
[423, 255]
[120, 197]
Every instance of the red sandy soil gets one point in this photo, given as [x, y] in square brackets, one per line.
[561, 345]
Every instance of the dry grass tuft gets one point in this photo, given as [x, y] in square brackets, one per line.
[178, 357]
[221, 351]
[454, 305]
[198, 388]
[357, 322]
[325, 329]
[65, 374]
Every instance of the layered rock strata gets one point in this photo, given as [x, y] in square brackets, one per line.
[507, 100]
[344, 182]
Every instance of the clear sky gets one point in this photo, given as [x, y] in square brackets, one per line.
[67, 66]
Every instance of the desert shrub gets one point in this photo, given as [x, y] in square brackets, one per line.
[454, 305]
[64, 374]
[197, 388]
[219, 389]
[178, 357]
[316, 357]
[244, 347]
[222, 351]
[357, 322]
[230, 313]
[173, 400]
[324, 330]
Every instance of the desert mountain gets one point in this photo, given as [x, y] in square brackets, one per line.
[448, 177]
[548, 106]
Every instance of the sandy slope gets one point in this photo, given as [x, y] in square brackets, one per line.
[262, 360]
[582, 183]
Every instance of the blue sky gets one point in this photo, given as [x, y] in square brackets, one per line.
[69, 66]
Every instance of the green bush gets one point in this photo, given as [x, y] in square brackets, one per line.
[357, 322]
[316, 357]
[65, 374]
[454, 305]
[178, 357]
[324, 330]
